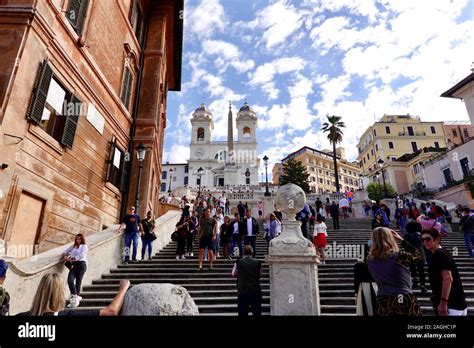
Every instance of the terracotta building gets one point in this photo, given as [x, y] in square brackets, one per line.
[82, 83]
[458, 132]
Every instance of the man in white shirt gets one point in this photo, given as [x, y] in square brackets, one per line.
[222, 201]
[249, 229]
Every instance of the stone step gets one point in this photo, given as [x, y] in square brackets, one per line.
[112, 285]
[211, 301]
[180, 281]
[226, 308]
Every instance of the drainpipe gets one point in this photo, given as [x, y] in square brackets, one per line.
[143, 43]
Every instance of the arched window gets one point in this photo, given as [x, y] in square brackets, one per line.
[247, 132]
[221, 156]
[200, 134]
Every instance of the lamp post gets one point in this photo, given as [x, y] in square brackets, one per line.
[199, 174]
[141, 153]
[265, 162]
[381, 162]
[171, 178]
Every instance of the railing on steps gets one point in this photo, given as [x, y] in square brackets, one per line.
[105, 252]
[163, 208]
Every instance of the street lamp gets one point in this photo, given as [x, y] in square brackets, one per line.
[171, 178]
[265, 162]
[141, 153]
[381, 162]
[199, 173]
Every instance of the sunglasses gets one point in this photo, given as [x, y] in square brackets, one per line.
[426, 239]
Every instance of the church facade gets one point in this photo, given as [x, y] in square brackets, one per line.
[223, 163]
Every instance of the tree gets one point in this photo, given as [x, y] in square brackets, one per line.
[376, 191]
[334, 129]
[295, 173]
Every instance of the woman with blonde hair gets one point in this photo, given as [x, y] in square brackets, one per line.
[50, 300]
[390, 268]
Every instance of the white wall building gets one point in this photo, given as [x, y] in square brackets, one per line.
[464, 90]
[441, 174]
[224, 162]
[175, 174]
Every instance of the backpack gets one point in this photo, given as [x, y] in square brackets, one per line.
[4, 302]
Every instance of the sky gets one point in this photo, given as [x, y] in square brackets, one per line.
[296, 61]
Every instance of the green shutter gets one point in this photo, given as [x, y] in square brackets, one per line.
[82, 16]
[70, 126]
[126, 167]
[76, 14]
[40, 92]
[126, 88]
[129, 90]
[111, 160]
[73, 12]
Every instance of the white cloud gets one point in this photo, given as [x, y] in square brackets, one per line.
[228, 54]
[278, 20]
[264, 74]
[364, 8]
[177, 154]
[206, 19]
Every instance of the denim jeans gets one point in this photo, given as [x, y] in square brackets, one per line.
[76, 273]
[469, 240]
[403, 223]
[216, 244]
[251, 240]
[146, 243]
[236, 241]
[129, 238]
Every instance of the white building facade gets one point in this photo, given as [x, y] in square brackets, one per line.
[223, 163]
[173, 176]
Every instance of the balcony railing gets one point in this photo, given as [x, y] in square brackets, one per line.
[413, 134]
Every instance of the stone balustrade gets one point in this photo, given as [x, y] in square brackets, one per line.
[105, 252]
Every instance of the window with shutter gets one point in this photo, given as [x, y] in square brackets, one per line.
[126, 88]
[136, 20]
[40, 92]
[117, 165]
[76, 14]
[71, 118]
[53, 108]
[125, 180]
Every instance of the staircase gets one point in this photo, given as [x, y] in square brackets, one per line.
[214, 292]
[336, 278]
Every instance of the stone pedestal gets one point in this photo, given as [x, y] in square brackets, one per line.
[268, 205]
[294, 288]
[358, 204]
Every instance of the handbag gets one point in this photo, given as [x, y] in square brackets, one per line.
[152, 236]
[174, 236]
[68, 265]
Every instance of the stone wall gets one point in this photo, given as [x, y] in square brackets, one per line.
[105, 252]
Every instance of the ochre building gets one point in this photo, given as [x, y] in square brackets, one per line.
[82, 83]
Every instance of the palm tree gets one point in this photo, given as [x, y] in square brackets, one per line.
[334, 128]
